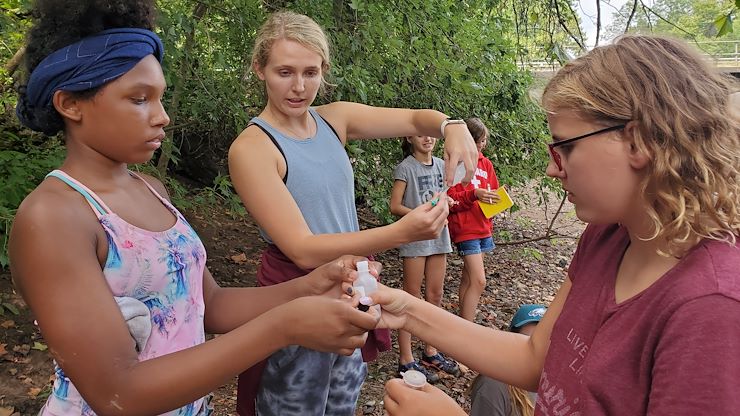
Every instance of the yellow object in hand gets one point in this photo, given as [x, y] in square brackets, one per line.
[504, 203]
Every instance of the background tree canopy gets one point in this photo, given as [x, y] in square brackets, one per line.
[461, 57]
[457, 57]
[452, 56]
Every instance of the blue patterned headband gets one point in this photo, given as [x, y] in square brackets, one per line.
[87, 64]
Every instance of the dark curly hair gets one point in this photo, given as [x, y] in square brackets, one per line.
[61, 23]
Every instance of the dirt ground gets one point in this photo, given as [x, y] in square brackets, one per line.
[517, 273]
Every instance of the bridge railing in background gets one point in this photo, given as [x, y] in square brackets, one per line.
[540, 66]
[723, 53]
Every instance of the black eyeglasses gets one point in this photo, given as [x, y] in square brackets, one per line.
[556, 156]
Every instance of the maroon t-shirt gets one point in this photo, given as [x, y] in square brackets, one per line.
[673, 349]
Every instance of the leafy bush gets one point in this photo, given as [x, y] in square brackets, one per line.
[457, 57]
[23, 164]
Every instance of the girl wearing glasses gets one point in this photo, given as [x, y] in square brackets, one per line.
[647, 319]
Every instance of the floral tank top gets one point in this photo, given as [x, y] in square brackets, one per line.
[164, 271]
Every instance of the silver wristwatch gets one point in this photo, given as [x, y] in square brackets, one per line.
[449, 121]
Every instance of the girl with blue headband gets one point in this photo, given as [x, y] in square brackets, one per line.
[113, 273]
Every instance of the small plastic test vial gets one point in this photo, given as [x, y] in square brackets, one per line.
[365, 284]
[414, 379]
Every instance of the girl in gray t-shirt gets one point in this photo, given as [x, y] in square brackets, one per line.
[418, 179]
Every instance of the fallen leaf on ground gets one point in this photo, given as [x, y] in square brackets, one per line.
[34, 391]
[239, 258]
[40, 346]
[7, 324]
[22, 349]
[6, 411]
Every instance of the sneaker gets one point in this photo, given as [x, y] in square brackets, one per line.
[440, 362]
[432, 377]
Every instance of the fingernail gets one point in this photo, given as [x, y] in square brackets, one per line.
[366, 301]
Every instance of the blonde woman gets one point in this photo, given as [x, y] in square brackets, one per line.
[291, 171]
[646, 322]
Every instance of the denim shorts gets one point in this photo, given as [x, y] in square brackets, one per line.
[477, 246]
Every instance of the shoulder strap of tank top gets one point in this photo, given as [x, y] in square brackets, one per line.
[151, 188]
[97, 204]
[320, 117]
[255, 122]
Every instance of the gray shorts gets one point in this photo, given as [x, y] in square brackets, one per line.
[298, 381]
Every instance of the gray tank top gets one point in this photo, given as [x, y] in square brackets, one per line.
[319, 177]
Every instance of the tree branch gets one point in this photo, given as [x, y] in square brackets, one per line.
[15, 61]
[578, 25]
[598, 22]
[368, 221]
[691, 35]
[533, 239]
[516, 30]
[647, 16]
[548, 233]
[174, 127]
[632, 14]
[562, 23]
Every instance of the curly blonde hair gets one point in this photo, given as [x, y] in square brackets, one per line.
[298, 28]
[682, 113]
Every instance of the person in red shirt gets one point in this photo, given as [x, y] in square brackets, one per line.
[646, 321]
[470, 229]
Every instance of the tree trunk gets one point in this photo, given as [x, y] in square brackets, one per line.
[15, 61]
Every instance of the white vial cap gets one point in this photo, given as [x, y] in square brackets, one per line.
[362, 266]
[415, 379]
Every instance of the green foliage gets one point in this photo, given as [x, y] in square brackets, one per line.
[457, 57]
[531, 253]
[700, 22]
[544, 30]
[13, 22]
[39, 346]
[221, 194]
[723, 24]
[23, 165]
[524, 222]
[7, 306]
[502, 235]
[205, 63]
[696, 20]
[445, 55]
